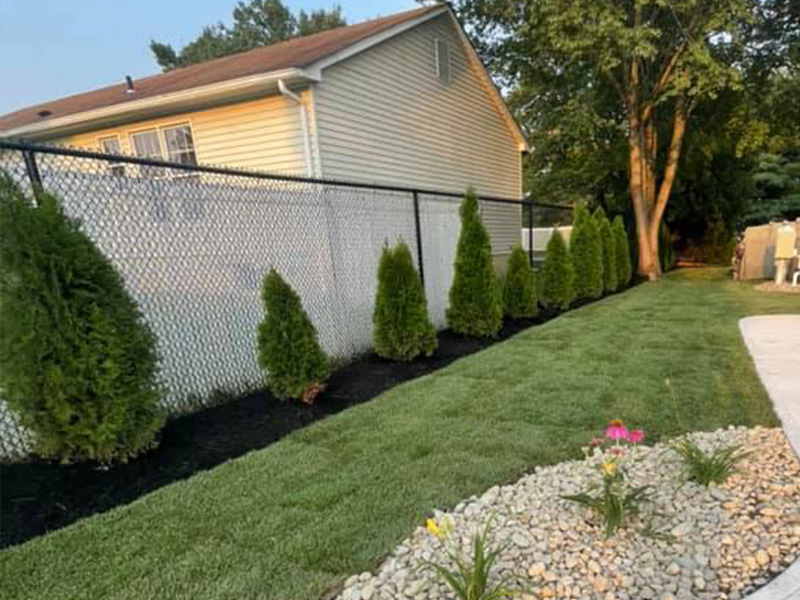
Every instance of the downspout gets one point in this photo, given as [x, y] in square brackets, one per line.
[286, 92]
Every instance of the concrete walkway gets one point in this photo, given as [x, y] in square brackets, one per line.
[774, 344]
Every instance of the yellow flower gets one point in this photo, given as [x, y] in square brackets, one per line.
[431, 526]
[610, 467]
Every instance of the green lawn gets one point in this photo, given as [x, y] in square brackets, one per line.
[287, 522]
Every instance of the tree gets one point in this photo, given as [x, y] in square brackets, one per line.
[586, 252]
[288, 346]
[519, 289]
[657, 59]
[256, 23]
[475, 304]
[622, 251]
[403, 330]
[557, 274]
[607, 248]
[79, 361]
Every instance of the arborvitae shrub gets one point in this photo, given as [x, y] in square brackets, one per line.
[587, 255]
[288, 347]
[519, 289]
[607, 248]
[557, 276]
[79, 361]
[475, 302]
[402, 327]
[622, 251]
[666, 253]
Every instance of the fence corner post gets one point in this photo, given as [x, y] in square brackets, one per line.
[32, 169]
[418, 229]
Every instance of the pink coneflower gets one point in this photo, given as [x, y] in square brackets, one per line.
[616, 430]
[636, 436]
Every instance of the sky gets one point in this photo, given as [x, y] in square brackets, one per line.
[54, 48]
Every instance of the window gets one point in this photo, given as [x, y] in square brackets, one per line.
[443, 61]
[180, 145]
[110, 145]
[146, 144]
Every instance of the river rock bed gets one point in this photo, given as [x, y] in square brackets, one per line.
[690, 542]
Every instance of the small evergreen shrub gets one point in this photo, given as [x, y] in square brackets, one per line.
[622, 251]
[475, 302]
[288, 347]
[666, 251]
[608, 249]
[557, 275]
[79, 363]
[587, 256]
[403, 330]
[519, 291]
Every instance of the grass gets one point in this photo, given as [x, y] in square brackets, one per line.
[289, 521]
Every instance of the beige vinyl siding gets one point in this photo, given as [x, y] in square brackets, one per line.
[383, 116]
[264, 134]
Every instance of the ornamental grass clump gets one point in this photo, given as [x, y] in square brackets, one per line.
[79, 362]
[476, 307]
[519, 288]
[471, 578]
[288, 346]
[715, 467]
[613, 499]
[403, 330]
[586, 252]
[557, 276]
[622, 251]
[608, 249]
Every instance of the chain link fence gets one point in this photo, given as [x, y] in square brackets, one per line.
[193, 244]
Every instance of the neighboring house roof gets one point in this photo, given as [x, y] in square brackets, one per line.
[229, 77]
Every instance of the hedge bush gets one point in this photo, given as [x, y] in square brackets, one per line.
[475, 302]
[557, 276]
[607, 248]
[587, 256]
[288, 346]
[79, 361]
[622, 251]
[519, 289]
[666, 251]
[403, 330]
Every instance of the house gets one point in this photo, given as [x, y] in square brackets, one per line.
[401, 100]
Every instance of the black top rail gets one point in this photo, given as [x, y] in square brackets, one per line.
[32, 147]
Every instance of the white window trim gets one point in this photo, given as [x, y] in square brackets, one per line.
[436, 43]
[113, 167]
[164, 147]
[162, 144]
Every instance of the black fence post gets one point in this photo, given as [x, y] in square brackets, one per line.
[418, 228]
[32, 169]
[530, 232]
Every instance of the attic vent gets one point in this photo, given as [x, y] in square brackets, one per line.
[443, 61]
[43, 113]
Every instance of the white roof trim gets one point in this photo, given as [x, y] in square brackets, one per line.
[173, 100]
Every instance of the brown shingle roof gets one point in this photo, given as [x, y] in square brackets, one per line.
[295, 53]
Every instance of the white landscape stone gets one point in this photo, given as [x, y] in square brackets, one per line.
[728, 540]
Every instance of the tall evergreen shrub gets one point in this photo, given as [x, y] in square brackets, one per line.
[519, 289]
[403, 330]
[607, 248]
[587, 255]
[79, 363]
[557, 276]
[622, 251]
[666, 252]
[475, 302]
[288, 347]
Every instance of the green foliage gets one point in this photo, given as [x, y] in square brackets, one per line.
[587, 254]
[402, 328]
[706, 469]
[666, 251]
[475, 302]
[608, 248]
[471, 579]
[622, 252]
[519, 290]
[79, 361]
[287, 341]
[615, 503]
[557, 276]
[255, 23]
[777, 190]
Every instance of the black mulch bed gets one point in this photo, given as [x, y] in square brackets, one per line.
[40, 496]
